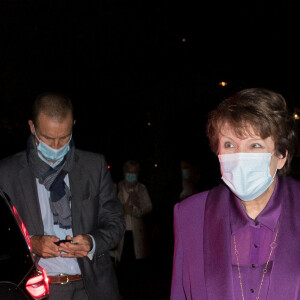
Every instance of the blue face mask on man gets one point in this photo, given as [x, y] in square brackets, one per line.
[131, 177]
[53, 154]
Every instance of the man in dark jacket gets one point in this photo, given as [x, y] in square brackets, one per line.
[63, 193]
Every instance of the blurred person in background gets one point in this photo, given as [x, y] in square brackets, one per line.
[190, 178]
[133, 250]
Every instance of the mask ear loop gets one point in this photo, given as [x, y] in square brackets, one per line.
[276, 168]
[35, 134]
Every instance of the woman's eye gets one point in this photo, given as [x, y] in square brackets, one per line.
[256, 145]
[228, 145]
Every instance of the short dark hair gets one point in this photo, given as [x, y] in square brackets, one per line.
[131, 163]
[265, 110]
[53, 104]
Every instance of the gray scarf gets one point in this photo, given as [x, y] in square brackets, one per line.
[53, 180]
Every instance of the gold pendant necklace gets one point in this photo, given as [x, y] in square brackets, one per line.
[265, 270]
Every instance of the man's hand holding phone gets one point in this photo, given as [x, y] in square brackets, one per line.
[78, 246]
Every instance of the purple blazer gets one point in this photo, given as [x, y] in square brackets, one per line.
[202, 267]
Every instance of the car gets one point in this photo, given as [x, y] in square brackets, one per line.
[21, 277]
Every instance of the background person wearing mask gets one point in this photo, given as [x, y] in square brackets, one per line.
[189, 178]
[133, 248]
[63, 193]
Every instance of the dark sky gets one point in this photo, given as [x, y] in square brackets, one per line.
[142, 74]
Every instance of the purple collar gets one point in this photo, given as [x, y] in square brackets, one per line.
[268, 217]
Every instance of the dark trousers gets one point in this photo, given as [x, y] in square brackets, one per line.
[71, 291]
[127, 270]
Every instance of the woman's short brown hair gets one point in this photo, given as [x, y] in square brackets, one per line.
[265, 111]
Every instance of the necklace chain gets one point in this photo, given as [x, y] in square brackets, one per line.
[265, 270]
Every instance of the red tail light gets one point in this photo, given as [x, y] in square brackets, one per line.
[38, 286]
[23, 228]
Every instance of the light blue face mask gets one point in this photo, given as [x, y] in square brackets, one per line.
[53, 154]
[185, 174]
[246, 174]
[131, 177]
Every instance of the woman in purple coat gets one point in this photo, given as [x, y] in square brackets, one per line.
[241, 239]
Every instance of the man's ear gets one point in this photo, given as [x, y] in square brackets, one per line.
[31, 126]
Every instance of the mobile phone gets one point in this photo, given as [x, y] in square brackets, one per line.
[62, 241]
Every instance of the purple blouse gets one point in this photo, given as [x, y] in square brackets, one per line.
[205, 266]
[253, 239]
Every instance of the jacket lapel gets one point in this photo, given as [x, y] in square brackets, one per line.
[30, 208]
[217, 239]
[80, 191]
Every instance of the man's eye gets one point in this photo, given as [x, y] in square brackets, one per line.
[67, 137]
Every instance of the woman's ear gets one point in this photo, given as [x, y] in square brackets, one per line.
[281, 160]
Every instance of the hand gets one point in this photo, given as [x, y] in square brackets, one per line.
[128, 208]
[80, 246]
[43, 246]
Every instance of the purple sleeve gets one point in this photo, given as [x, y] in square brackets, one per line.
[188, 263]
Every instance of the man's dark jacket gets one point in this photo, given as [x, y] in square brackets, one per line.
[95, 210]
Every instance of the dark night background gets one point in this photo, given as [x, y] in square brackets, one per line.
[143, 76]
[129, 63]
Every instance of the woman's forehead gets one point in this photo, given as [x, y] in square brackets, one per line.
[131, 168]
[239, 130]
[247, 133]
